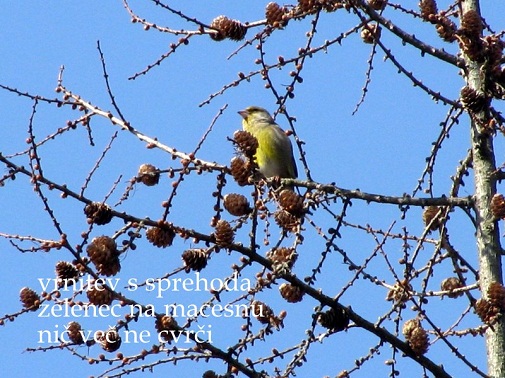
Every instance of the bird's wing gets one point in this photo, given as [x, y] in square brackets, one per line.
[284, 143]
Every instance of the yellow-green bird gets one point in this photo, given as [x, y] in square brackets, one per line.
[274, 155]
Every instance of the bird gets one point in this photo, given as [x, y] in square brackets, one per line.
[274, 155]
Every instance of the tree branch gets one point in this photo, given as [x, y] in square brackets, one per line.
[404, 200]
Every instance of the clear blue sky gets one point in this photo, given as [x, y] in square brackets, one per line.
[381, 149]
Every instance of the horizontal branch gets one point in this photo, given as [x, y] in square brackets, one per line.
[404, 200]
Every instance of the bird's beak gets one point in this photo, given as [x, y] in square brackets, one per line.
[243, 113]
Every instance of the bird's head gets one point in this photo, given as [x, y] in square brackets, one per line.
[253, 114]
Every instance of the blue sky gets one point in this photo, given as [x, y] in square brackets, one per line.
[381, 149]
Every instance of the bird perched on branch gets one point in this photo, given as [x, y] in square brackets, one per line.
[274, 154]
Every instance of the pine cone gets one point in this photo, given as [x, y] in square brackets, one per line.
[291, 202]
[378, 5]
[148, 174]
[334, 319]
[236, 204]
[370, 33]
[167, 327]
[428, 10]
[274, 14]
[210, 374]
[471, 24]
[195, 259]
[263, 313]
[416, 336]
[472, 100]
[446, 29]
[66, 273]
[429, 215]
[161, 236]
[110, 340]
[227, 28]
[450, 284]
[241, 171]
[308, 6]
[282, 256]
[409, 326]
[29, 298]
[286, 221]
[98, 213]
[99, 295]
[419, 341]
[246, 143]
[74, 333]
[498, 206]
[333, 5]
[291, 293]
[494, 47]
[486, 311]
[496, 295]
[104, 254]
[401, 292]
[224, 234]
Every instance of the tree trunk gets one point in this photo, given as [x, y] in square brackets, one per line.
[488, 241]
